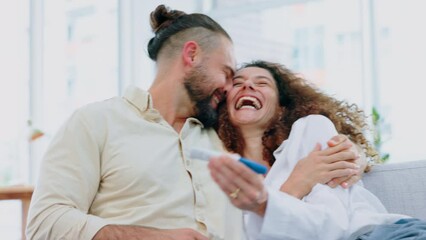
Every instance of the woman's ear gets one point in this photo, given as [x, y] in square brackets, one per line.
[190, 53]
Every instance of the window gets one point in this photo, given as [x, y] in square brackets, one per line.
[368, 52]
[401, 58]
[14, 102]
[322, 40]
[14, 22]
[80, 61]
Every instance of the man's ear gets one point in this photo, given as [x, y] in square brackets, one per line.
[190, 53]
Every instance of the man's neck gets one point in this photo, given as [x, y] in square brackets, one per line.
[170, 101]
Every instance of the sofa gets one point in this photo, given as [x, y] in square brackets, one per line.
[400, 186]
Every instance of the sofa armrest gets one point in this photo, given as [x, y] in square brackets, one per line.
[400, 186]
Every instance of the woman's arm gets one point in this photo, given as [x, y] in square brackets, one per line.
[323, 213]
[278, 215]
[320, 166]
[361, 161]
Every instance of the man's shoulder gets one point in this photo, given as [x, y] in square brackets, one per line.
[99, 109]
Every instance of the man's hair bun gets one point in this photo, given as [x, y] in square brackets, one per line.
[165, 23]
[162, 17]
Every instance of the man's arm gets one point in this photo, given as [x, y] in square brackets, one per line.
[68, 181]
[114, 232]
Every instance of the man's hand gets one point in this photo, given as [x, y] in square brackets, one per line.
[361, 161]
[320, 166]
[244, 187]
[127, 232]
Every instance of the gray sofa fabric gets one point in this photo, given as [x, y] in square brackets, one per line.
[400, 186]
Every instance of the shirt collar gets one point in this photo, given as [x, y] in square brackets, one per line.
[139, 98]
[142, 101]
[195, 121]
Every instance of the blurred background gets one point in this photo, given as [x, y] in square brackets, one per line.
[57, 55]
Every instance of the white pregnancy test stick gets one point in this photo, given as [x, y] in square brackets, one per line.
[205, 154]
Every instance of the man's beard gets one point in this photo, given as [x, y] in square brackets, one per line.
[194, 83]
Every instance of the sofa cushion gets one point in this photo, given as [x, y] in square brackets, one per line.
[400, 186]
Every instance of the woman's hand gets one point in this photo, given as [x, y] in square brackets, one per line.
[361, 161]
[244, 187]
[321, 166]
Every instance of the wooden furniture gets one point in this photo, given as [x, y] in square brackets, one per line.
[19, 192]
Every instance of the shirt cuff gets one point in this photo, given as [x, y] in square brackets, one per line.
[277, 215]
[93, 225]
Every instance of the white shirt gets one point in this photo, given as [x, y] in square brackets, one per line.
[119, 162]
[325, 213]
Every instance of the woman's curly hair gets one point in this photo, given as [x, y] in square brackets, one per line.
[297, 99]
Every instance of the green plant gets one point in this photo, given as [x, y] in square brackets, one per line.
[377, 135]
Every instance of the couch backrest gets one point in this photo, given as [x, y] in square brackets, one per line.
[400, 186]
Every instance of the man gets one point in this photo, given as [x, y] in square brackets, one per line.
[120, 169]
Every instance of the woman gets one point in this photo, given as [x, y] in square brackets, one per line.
[276, 118]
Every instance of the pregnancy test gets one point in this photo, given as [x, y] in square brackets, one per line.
[204, 154]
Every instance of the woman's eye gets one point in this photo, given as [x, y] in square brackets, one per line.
[236, 84]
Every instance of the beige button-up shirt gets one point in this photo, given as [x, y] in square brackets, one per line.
[119, 162]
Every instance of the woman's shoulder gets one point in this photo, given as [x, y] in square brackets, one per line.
[313, 126]
[313, 129]
[316, 120]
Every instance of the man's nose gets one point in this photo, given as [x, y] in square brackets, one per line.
[227, 88]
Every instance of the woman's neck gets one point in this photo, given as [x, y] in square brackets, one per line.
[253, 144]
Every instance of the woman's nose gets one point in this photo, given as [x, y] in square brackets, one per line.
[248, 84]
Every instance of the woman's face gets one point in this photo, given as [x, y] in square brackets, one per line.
[253, 98]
